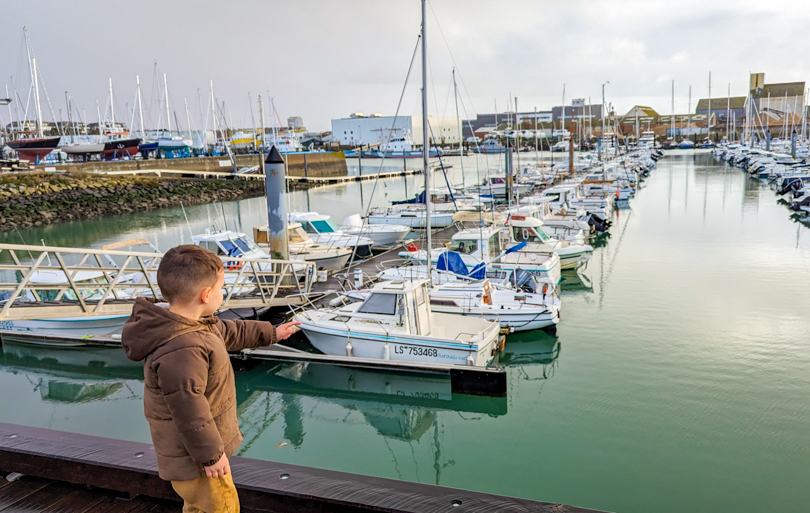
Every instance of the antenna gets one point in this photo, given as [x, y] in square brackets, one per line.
[187, 223]
[224, 219]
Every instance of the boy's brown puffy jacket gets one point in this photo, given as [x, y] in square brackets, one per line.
[189, 393]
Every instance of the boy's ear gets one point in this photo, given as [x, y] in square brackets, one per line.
[205, 294]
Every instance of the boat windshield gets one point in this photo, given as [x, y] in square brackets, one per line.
[380, 304]
[529, 234]
[494, 246]
[553, 196]
[227, 247]
[323, 226]
[246, 245]
[297, 235]
[463, 246]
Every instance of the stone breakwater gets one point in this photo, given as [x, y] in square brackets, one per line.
[40, 198]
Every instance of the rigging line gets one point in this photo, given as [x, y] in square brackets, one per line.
[394, 123]
[390, 135]
[452, 58]
[444, 171]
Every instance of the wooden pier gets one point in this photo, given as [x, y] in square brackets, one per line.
[55, 462]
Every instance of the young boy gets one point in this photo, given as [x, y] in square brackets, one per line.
[189, 393]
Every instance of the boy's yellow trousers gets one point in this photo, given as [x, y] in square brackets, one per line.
[208, 495]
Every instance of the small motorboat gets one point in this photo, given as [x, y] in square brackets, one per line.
[396, 322]
[382, 234]
[414, 216]
[476, 246]
[304, 249]
[323, 231]
[529, 230]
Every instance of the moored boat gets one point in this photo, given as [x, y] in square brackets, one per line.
[396, 322]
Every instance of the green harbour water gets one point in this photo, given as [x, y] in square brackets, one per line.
[678, 379]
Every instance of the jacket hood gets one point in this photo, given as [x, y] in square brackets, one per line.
[152, 324]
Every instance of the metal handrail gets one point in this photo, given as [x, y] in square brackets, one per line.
[249, 282]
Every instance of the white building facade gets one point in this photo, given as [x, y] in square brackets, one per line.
[375, 129]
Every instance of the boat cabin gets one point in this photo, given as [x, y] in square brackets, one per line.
[313, 222]
[476, 245]
[526, 228]
[405, 303]
[228, 243]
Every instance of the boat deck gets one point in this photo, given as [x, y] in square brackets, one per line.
[323, 292]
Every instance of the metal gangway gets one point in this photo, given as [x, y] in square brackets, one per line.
[40, 282]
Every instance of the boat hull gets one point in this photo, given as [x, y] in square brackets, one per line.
[69, 326]
[400, 348]
[417, 220]
[327, 263]
[33, 150]
[380, 237]
[517, 321]
[83, 149]
[398, 154]
[121, 148]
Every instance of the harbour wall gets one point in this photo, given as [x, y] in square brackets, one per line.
[317, 164]
[36, 199]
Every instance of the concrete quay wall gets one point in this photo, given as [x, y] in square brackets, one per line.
[302, 164]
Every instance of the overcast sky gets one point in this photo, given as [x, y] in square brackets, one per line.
[324, 59]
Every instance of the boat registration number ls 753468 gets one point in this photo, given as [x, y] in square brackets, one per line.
[416, 351]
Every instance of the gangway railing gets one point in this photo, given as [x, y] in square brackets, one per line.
[38, 282]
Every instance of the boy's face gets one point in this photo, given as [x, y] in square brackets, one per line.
[214, 295]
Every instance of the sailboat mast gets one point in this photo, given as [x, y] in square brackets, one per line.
[36, 96]
[728, 112]
[460, 136]
[709, 117]
[535, 135]
[425, 140]
[168, 116]
[213, 111]
[672, 121]
[140, 105]
[112, 109]
[188, 120]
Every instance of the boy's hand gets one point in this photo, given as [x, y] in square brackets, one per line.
[219, 469]
[285, 330]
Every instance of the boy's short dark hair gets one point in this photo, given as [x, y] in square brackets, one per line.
[186, 269]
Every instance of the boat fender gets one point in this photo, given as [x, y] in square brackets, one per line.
[487, 294]
[471, 361]
[349, 349]
[545, 288]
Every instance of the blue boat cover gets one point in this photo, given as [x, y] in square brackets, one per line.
[479, 272]
[420, 199]
[518, 247]
[523, 280]
[451, 261]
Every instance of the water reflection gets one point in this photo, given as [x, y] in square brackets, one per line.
[71, 375]
[398, 406]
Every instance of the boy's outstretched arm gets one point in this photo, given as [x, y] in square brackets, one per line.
[240, 335]
[182, 377]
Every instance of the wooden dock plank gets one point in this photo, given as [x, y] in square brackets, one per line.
[263, 485]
